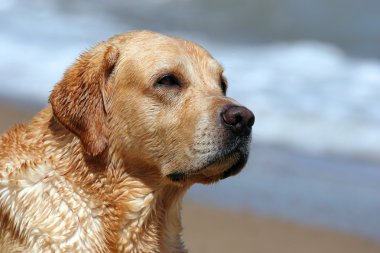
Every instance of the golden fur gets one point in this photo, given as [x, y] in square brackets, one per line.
[91, 172]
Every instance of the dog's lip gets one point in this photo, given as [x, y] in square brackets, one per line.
[177, 176]
[236, 157]
[236, 167]
[236, 160]
[220, 165]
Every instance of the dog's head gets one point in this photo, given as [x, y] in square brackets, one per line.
[160, 104]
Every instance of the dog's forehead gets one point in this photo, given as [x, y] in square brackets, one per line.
[154, 51]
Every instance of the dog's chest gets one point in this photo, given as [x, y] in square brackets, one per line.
[51, 214]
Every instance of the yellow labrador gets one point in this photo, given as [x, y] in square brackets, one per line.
[134, 122]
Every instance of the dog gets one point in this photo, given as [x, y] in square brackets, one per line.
[133, 123]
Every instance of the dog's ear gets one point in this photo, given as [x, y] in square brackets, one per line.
[77, 100]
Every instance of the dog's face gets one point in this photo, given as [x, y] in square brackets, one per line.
[164, 109]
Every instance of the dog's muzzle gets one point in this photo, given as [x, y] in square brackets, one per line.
[238, 122]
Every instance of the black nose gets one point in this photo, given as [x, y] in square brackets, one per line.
[239, 118]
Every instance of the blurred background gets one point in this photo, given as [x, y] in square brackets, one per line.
[310, 71]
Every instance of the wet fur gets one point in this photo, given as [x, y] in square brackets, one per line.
[89, 173]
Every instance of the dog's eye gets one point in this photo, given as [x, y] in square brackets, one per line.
[223, 84]
[169, 81]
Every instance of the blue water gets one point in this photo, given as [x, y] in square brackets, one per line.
[334, 192]
[317, 135]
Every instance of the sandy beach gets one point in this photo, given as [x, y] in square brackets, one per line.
[209, 229]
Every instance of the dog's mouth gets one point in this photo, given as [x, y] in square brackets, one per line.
[219, 167]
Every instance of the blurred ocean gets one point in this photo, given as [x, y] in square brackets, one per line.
[316, 148]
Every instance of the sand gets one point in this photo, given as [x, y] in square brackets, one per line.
[209, 229]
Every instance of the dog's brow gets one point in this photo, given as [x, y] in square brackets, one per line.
[221, 69]
[218, 67]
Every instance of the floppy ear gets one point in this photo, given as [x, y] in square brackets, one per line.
[77, 100]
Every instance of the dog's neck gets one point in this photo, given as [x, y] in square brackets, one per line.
[141, 216]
